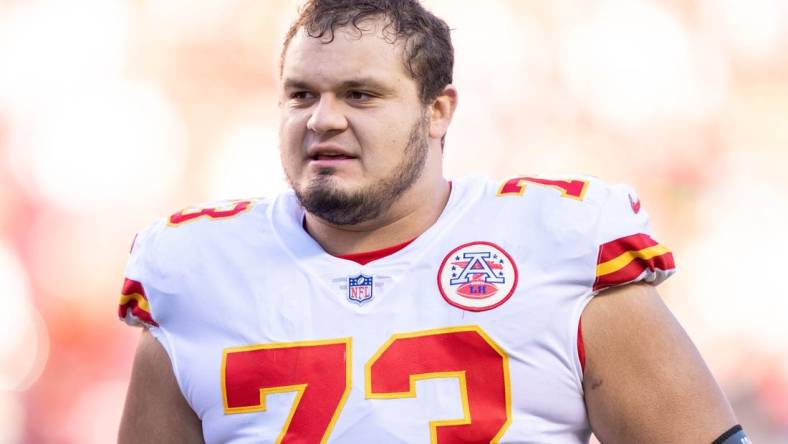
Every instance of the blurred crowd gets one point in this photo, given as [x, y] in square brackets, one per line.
[116, 112]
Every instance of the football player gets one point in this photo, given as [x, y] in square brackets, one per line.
[378, 302]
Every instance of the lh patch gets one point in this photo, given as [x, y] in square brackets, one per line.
[477, 276]
[359, 288]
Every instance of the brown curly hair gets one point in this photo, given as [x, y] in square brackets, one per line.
[428, 52]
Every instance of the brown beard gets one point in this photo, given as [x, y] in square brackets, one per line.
[321, 199]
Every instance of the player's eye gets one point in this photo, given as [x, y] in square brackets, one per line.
[359, 95]
[301, 95]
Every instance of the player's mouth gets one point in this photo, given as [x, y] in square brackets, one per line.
[328, 155]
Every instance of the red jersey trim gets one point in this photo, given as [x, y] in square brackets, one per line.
[134, 300]
[624, 260]
[369, 256]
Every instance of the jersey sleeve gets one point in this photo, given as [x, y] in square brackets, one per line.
[134, 308]
[626, 251]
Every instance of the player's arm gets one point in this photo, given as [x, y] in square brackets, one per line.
[644, 380]
[155, 410]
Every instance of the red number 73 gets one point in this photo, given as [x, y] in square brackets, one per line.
[319, 372]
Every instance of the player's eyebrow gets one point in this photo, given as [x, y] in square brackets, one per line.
[354, 83]
[364, 82]
[296, 84]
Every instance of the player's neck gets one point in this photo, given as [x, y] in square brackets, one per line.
[413, 213]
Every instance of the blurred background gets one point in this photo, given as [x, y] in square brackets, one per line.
[116, 112]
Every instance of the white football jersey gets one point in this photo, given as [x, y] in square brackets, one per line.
[469, 334]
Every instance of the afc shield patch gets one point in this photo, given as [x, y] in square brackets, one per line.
[359, 288]
[477, 276]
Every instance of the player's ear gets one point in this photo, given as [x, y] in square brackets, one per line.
[441, 111]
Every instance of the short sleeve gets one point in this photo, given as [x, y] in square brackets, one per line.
[626, 251]
[134, 308]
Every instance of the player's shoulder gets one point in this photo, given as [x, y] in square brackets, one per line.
[566, 207]
[203, 222]
[569, 191]
[208, 215]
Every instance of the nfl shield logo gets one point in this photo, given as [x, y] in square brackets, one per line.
[359, 288]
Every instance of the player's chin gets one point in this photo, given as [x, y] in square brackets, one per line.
[336, 177]
[335, 186]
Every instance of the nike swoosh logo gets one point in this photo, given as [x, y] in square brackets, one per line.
[635, 204]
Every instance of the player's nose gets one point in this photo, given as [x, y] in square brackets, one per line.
[327, 116]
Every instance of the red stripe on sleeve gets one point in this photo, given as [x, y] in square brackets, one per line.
[131, 287]
[616, 248]
[634, 269]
